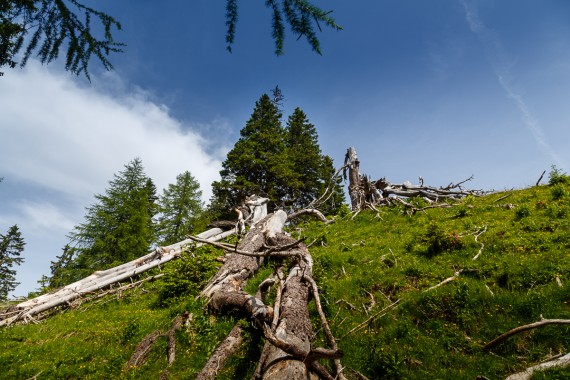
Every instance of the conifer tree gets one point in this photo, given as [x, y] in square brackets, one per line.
[284, 164]
[179, 208]
[258, 163]
[11, 246]
[118, 228]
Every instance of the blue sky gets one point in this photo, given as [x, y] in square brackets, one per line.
[441, 89]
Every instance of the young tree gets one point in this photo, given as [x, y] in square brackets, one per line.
[179, 208]
[11, 246]
[118, 228]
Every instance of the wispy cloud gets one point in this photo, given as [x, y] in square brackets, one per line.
[502, 67]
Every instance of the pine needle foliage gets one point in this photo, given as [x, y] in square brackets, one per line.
[118, 228]
[284, 164]
[302, 16]
[44, 27]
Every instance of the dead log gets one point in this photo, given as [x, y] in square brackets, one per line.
[558, 362]
[102, 279]
[519, 329]
[222, 353]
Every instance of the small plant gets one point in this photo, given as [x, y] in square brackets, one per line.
[539, 205]
[557, 176]
[522, 212]
[439, 241]
[558, 191]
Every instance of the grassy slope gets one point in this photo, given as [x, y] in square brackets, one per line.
[434, 334]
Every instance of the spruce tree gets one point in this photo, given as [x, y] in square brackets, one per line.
[179, 208]
[258, 162]
[284, 164]
[119, 227]
[312, 171]
[11, 246]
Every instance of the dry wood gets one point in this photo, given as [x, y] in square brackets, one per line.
[519, 329]
[376, 315]
[477, 241]
[540, 178]
[559, 362]
[312, 212]
[30, 309]
[222, 353]
[449, 279]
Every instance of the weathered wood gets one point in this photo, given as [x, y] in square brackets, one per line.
[221, 354]
[519, 329]
[294, 326]
[560, 362]
[354, 187]
[102, 279]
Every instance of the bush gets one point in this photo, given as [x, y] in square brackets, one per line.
[438, 240]
[188, 275]
[557, 176]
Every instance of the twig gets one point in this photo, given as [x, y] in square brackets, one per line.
[519, 329]
[503, 197]
[449, 279]
[561, 362]
[482, 244]
[360, 326]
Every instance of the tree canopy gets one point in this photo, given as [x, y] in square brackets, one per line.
[284, 164]
[46, 27]
[179, 207]
[118, 228]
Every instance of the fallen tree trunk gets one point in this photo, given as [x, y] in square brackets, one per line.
[287, 353]
[28, 310]
[31, 310]
[559, 362]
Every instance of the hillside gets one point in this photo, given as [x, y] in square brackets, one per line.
[508, 254]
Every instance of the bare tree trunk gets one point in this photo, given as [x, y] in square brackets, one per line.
[294, 326]
[354, 188]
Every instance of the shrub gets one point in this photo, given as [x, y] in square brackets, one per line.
[558, 191]
[187, 276]
[557, 176]
[438, 240]
[522, 212]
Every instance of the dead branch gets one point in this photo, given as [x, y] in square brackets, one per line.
[482, 244]
[559, 362]
[143, 348]
[312, 212]
[519, 329]
[366, 322]
[328, 333]
[103, 279]
[449, 279]
[222, 353]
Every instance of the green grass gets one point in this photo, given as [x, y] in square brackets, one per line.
[436, 334]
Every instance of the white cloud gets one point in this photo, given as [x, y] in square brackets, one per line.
[69, 138]
[61, 142]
